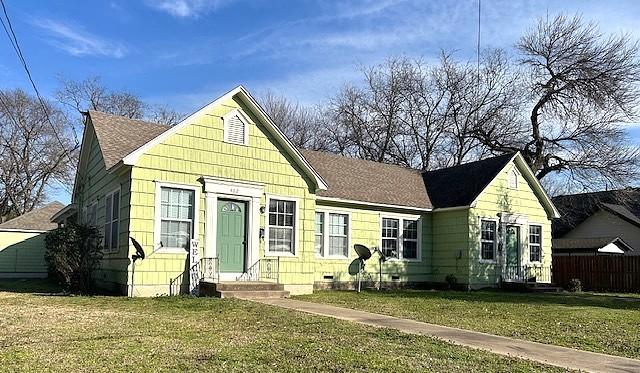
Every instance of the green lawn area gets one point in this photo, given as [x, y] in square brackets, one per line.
[43, 332]
[592, 322]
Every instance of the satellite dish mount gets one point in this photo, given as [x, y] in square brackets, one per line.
[363, 254]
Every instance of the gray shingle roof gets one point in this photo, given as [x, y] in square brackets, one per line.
[38, 219]
[118, 136]
[368, 181]
[347, 178]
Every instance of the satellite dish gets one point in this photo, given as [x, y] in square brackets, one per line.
[139, 250]
[138, 255]
[363, 252]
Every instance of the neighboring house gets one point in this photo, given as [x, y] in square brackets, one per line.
[599, 219]
[589, 246]
[261, 208]
[22, 243]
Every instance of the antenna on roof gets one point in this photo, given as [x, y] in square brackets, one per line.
[478, 61]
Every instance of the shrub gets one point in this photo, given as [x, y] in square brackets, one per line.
[451, 280]
[72, 253]
[575, 285]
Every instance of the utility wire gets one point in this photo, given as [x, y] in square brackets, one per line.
[8, 28]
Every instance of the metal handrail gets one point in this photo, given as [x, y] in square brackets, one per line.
[264, 269]
[176, 283]
[206, 269]
[209, 269]
[527, 273]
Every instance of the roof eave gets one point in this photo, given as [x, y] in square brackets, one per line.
[372, 204]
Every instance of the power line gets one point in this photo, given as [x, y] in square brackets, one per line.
[8, 28]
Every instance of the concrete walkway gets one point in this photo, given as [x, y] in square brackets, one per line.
[553, 355]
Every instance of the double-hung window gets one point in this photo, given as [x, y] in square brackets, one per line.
[320, 233]
[111, 221]
[332, 234]
[488, 240]
[176, 217]
[535, 243]
[400, 238]
[282, 217]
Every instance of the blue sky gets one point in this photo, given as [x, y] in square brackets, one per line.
[185, 53]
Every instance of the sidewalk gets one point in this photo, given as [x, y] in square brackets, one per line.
[553, 355]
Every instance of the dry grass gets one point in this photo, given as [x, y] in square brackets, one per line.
[110, 334]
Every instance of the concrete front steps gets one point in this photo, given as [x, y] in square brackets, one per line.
[243, 289]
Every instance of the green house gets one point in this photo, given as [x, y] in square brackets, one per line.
[224, 196]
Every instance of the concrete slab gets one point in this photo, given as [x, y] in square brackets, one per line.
[553, 355]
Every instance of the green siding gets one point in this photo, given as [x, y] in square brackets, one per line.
[496, 198]
[449, 238]
[450, 245]
[198, 150]
[22, 254]
[93, 184]
[365, 229]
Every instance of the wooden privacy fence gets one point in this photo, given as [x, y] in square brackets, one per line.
[599, 273]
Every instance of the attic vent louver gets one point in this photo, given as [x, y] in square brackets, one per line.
[235, 130]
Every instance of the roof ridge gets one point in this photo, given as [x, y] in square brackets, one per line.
[131, 119]
[509, 155]
[506, 155]
[32, 212]
[360, 159]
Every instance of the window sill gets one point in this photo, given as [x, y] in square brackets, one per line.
[488, 261]
[171, 250]
[404, 260]
[276, 254]
[320, 257]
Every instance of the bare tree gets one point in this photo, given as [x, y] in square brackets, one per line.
[368, 118]
[581, 87]
[164, 115]
[37, 148]
[420, 115]
[91, 94]
[302, 125]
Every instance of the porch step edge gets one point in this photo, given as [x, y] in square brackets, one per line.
[247, 286]
[253, 294]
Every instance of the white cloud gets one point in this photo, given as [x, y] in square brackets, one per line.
[186, 8]
[78, 42]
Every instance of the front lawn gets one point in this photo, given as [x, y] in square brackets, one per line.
[109, 334]
[600, 323]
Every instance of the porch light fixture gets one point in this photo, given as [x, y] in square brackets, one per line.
[262, 209]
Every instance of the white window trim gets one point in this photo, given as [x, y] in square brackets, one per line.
[158, 216]
[243, 118]
[117, 247]
[401, 218]
[296, 226]
[496, 240]
[529, 244]
[325, 233]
